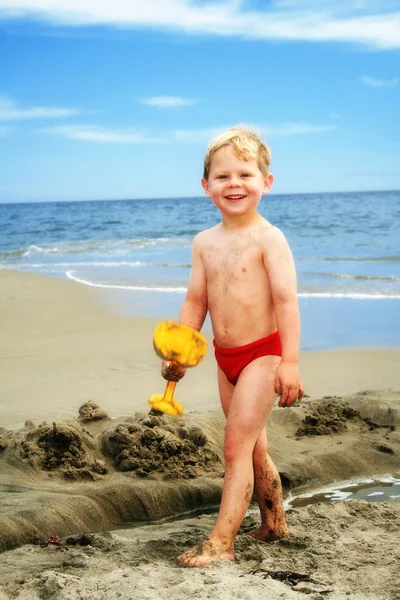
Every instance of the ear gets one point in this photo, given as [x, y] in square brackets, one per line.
[268, 181]
[204, 183]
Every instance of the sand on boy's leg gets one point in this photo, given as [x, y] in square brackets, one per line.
[268, 488]
[247, 408]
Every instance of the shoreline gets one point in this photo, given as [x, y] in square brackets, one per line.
[328, 321]
[61, 345]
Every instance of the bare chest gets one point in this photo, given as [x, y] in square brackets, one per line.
[232, 262]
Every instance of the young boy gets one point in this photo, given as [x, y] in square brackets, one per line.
[243, 274]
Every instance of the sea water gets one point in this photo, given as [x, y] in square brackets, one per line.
[383, 489]
[346, 248]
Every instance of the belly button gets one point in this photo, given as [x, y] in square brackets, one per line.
[244, 269]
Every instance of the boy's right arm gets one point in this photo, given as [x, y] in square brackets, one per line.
[194, 307]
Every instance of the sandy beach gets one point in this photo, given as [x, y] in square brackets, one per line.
[82, 459]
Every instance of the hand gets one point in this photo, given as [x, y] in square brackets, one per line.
[171, 371]
[287, 383]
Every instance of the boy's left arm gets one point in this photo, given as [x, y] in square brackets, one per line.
[282, 276]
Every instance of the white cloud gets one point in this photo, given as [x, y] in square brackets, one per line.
[374, 82]
[167, 101]
[94, 133]
[204, 135]
[364, 22]
[90, 133]
[10, 111]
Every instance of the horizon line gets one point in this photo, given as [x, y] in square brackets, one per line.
[191, 197]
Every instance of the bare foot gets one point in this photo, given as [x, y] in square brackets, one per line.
[267, 535]
[205, 553]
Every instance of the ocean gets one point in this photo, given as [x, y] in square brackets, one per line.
[346, 248]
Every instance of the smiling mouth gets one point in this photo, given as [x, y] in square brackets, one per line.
[235, 197]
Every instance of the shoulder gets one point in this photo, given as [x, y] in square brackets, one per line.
[274, 246]
[270, 235]
[205, 237]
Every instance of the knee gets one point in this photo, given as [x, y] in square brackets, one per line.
[260, 449]
[235, 445]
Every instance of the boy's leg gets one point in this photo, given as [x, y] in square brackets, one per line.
[247, 413]
[268, 490]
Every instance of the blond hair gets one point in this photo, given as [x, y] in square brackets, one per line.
[246, 144]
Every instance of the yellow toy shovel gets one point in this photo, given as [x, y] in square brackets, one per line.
[183, 346]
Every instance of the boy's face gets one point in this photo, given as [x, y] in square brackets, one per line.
[235, 185]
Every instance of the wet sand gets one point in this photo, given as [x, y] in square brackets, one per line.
[68, 473]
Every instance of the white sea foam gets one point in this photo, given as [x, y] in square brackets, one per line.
[56, 267]
[351, 277]
[115, 246]
[33, 248]
[120, 263]
[67, 265]
[354, 295]
[136, 288]
[181, 289]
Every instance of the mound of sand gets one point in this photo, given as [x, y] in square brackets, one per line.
[327, 417]
[62, 447]
[147, 445]
[161, 444]
[90, 411]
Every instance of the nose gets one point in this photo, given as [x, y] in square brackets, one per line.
[234, 181]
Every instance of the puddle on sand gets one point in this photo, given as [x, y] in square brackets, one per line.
[382, 490]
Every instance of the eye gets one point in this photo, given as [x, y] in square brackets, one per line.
[221, 176]
[246, 174]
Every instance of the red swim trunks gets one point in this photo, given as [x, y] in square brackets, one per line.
[232, 361]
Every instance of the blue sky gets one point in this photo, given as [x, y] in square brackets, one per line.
[119, 99]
